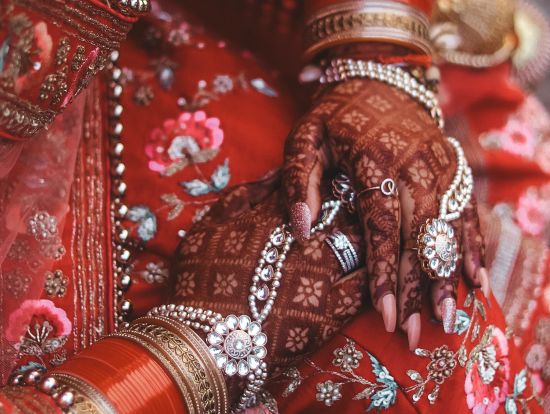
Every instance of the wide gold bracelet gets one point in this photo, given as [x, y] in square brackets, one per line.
[186, 358]
[87, 399]
[359, 21]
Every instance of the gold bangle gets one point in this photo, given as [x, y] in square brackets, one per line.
[377, 21]
[480, 61]
[87, 399]
[186, 357]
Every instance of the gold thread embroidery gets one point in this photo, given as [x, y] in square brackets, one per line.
[62, 51]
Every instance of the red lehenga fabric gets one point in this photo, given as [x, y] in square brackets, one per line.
[236, 95]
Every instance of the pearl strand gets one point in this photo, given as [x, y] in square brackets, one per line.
[459, 193]
[343, 69]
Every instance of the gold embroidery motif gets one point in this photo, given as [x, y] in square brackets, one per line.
[20, 30]
[78, 58]
[56, 284]
[54, 87]
[62, 51]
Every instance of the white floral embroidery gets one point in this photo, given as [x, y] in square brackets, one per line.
[329, 392]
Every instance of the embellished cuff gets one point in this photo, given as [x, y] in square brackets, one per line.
[155, 365]
[382, 21]
[50, 51]
[186, 357]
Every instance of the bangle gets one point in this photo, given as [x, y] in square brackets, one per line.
[70, 393]
[186, 357]
[87, 399]
[377, 21]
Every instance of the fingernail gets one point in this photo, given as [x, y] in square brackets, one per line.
[389, 313]
[300, 219]
[483, 277]
[448, 314]
[413, 331]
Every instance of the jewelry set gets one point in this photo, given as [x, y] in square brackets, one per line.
[437, 247]
[237, 343]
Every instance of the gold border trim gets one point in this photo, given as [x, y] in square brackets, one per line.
[88, 400]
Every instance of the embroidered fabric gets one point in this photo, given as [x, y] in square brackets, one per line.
[35, 186]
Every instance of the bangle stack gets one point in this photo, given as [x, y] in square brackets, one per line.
[70, 394]
[374, 21]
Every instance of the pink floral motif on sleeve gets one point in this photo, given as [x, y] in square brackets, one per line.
[39, 329]
[43, 309]
[486, 383]
[192, 137]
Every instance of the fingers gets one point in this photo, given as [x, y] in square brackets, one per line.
[444, 303]
[410, 296]
[380, 217]
[302, 172]
[474, 249]
[419, 202]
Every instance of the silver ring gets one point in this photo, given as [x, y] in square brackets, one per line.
[343, 191]
[388, 188]
[344, 251]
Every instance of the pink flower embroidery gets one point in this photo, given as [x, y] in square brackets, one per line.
[518, 138]
[533, 213]
[486, 384]
[33, 311]
[178, 139]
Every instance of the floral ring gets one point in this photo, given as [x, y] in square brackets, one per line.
[437, 249]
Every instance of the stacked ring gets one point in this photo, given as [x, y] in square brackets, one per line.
[344, 251]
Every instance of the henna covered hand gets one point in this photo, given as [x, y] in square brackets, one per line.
[216, 261]
[372, 131]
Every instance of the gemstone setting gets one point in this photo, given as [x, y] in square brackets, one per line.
[438, 249]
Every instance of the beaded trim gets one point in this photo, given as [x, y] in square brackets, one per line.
[21, 119]
[120, 252]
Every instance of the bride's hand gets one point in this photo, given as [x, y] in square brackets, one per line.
[372, 131]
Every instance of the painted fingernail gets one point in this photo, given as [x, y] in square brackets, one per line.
[448, 314]
[413, 331]
[483, 277]
[300, 219]
[389, 313]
